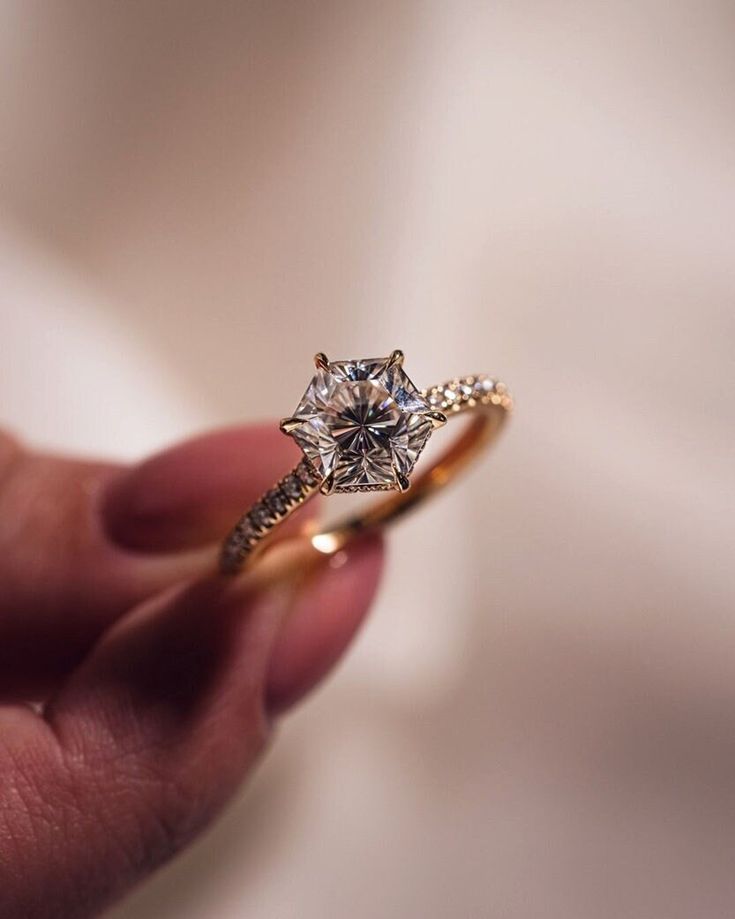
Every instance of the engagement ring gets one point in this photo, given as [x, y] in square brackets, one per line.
[361, 426]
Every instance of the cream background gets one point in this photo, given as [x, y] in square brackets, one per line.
[538, 719]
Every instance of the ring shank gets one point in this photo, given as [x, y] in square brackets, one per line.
[487, 404]
[475, 436]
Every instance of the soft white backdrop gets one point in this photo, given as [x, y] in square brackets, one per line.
[538, 719]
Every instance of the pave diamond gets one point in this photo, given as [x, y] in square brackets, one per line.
[362, 424]
[292, 487]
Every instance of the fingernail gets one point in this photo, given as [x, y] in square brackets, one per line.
[193, 493]
[321, 621]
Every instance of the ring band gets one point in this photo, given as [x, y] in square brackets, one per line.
[362, 425]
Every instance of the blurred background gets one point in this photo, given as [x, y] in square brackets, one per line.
[539, 718]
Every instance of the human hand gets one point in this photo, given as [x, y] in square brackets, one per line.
[160, 680]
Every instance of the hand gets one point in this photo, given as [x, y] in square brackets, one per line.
[160, 679]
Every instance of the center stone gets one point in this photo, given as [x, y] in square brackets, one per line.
[362, 424]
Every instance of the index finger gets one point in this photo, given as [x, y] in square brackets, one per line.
[81, 541]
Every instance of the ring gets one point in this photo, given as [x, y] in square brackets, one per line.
[361, 425]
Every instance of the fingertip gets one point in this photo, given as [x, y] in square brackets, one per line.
[322, 622]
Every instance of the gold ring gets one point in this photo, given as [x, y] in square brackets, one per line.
[361, 425]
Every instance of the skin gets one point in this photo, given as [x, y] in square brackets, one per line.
[160, 680]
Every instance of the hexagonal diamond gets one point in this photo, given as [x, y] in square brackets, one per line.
[362, 423]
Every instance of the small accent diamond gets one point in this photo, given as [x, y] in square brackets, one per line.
[260, 515]
[292, 487]
[306, 473]
[244, 531]
[276, 501]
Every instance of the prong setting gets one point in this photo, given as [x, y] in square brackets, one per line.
[327, 486]
[403, 482]
[321, 361]
[288, 425]
[396, 358]
[438, 419]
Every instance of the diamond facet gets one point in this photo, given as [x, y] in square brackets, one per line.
[363, 423]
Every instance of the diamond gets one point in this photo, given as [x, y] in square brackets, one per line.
[362, 424]
[276, 501]
[291, 487]
[244, 531]
[260, 515]
[305, 471]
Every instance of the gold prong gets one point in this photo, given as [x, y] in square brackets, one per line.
[396, 358]
[438, 419]
[321, 360]
[287, 425]
[327, 486]
[403, 482]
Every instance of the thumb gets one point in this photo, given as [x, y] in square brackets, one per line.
[159, 725]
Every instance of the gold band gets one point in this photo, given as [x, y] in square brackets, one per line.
[486, 400]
